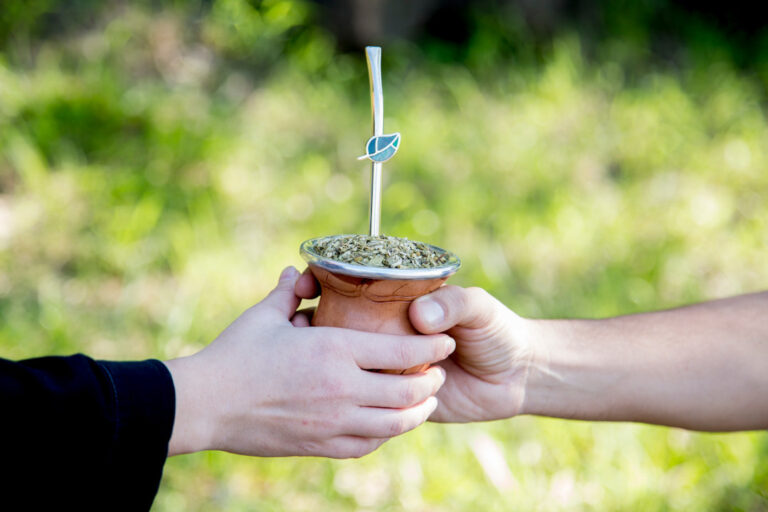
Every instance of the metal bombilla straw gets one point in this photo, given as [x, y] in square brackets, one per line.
[373, 56]
[380, 147]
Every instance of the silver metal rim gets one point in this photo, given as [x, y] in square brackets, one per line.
[349, 269]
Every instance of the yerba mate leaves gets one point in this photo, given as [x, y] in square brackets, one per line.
[380, 251]
[382, 147]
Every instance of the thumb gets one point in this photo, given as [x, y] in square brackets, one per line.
[282, 298]
[451, 306]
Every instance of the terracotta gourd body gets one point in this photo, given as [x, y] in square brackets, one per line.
[373, 305]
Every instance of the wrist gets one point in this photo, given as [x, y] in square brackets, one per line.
[540, 346]
[192, 426]
[567, 376]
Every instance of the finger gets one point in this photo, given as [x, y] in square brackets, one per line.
[449, 306]
[303, 317]
[377, 423]
[282, 298]
[373, 351]
[307, 286]
[308, 312]
[351, 447]
[399, 391]
[446, 396]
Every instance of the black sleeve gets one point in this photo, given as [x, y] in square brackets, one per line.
[83, 434]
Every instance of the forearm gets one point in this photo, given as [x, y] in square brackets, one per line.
[702, 367]
[101, 423]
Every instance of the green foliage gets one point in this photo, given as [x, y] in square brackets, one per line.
[157, 173]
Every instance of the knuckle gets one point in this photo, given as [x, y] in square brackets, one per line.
[451, 289]
[479, 303]
[376, 443]
[396, 426]
[449, 296]
[350, 450]
[359, 450]
[409, 394]
[328, 347]
[474, 294]
[316, 429]
[340, 346]
[403, 354]
[310, 448]
[326, 340]
[316, 346]
[330, 385]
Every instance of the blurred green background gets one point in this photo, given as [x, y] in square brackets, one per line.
[161, 162]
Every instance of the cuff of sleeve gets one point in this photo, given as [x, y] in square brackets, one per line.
[145, 406]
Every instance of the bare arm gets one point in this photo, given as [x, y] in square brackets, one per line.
[702, 367]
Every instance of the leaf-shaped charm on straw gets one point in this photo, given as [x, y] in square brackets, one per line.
[382, 147]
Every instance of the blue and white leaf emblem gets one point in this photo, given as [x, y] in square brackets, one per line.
[382, 147]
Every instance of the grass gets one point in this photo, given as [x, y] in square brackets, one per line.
[152, 186]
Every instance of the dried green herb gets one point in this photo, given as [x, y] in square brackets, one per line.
[380, 251]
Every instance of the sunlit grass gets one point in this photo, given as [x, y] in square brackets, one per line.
[149, 193]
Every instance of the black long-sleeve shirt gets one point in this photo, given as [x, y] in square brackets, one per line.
[80, 434]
